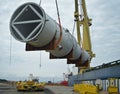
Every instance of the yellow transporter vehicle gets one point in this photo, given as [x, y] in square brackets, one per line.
[30, 86]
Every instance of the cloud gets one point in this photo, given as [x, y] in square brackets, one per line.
[105, 30]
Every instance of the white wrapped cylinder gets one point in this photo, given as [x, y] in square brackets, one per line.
[30, 24]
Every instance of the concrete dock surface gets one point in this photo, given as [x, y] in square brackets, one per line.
[66, 90]
[61, 89]
[10, 89]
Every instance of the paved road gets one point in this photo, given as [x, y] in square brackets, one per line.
[13, 91]
[8, 89]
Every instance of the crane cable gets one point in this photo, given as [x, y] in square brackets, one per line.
[10, 59]
[40, 51]
[40, 2]
[81, 10]
[40, 60]
[58, 41]
[73, 28]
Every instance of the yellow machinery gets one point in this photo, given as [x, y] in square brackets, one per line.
[99, 87]
[85, 89]
[30, 86]
[112, 89]
[83, 21]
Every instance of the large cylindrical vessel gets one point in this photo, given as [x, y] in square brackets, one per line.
[30, 24]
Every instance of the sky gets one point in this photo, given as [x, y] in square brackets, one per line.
[16, 64]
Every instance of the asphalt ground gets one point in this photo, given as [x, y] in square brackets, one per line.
[11, 89]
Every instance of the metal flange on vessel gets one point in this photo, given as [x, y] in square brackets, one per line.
[30, 24]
